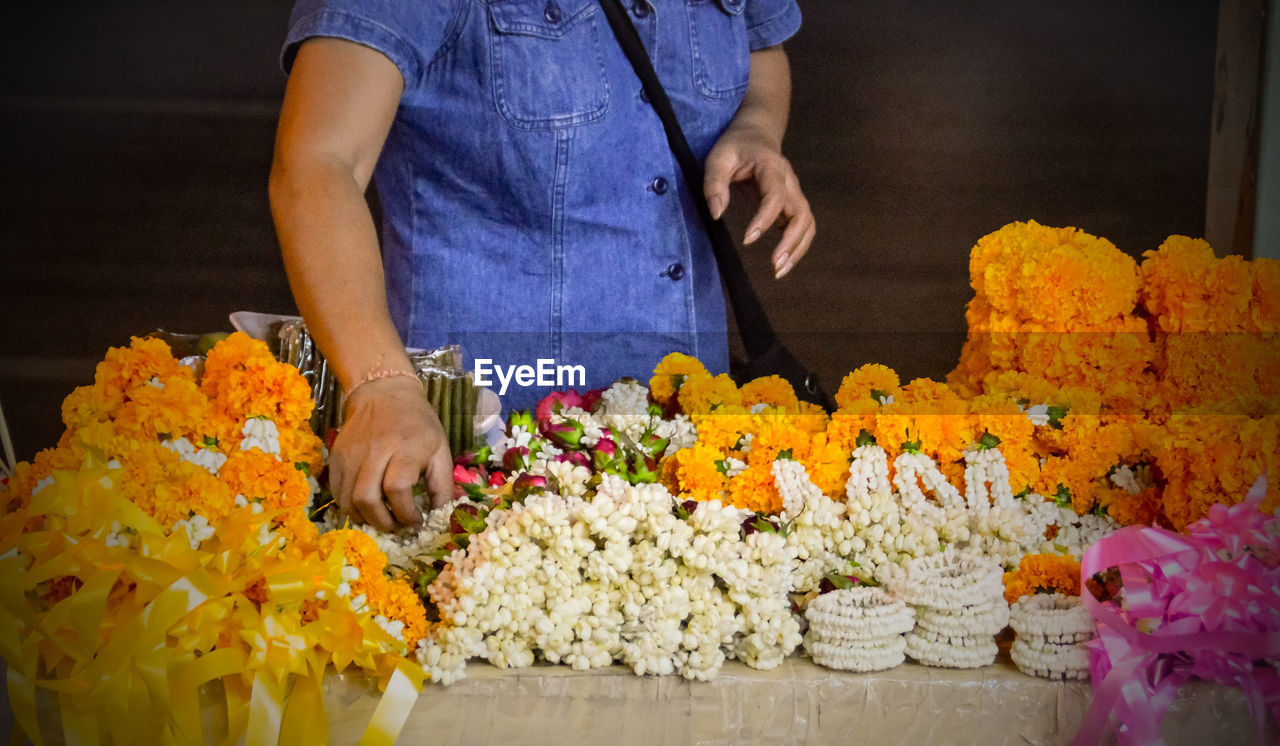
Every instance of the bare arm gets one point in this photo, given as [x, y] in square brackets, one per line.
[751, 150]
[338, 107]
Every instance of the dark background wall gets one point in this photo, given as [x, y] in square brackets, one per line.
[136, 141]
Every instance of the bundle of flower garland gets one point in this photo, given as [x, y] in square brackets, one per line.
[164, 544]
[857, 629]
[1051, 631]
[959, 604]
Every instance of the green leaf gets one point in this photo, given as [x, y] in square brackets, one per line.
[987, 441]
[911, 446]
[303, 467]
[210, 442]
[865, 438]
[1055, 416]
[677, 381]
[472, 524]
[761, 524]
[425, 579]
[877, 394]
[164, 436]
[722, 466]
[681, 513]
[841, 582]
[785, 454]
[1063, 497]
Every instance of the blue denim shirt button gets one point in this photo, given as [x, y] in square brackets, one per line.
[640, 8]
[552, 12]
[659, 185]
[675, 272]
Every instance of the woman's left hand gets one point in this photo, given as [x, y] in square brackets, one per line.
[744, 153]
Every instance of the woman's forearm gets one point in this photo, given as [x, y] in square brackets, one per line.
[331, 255]
[767, 104]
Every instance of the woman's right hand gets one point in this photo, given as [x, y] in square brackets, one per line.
[390, 438]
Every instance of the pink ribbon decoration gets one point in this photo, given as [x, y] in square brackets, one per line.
[1201, 605]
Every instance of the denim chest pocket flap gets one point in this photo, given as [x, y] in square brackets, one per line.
[721, 53]
[548, 69]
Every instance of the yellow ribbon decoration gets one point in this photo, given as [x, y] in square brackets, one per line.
[394, 707]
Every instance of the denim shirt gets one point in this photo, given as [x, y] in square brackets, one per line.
[531, 206]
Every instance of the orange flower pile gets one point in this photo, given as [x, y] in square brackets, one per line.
[1043, 573]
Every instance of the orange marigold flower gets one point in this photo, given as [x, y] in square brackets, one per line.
[870, 381]
[771, 390]
[755, 490]
[261, 476]
[700, 473]
[701, 394]
[670, 373]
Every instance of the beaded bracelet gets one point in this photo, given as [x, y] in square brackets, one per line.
[948, 656]
[379, 374]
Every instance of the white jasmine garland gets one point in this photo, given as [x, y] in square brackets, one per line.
[940, 654]
[197, 528]
[260, 433]
[984, 619]
[859, 662]
[968, 642]
[1055, 615]
[1058, 662]
[617, 578]
[206, 458]
[830, 627]
[1039, 414]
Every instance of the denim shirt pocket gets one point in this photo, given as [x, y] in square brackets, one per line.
[721, 55]
[548, 69]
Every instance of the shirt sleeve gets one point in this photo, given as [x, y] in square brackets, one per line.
[407, 33]
[771, 22]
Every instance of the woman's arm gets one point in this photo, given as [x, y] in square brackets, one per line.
[338, 107]
[751, 149]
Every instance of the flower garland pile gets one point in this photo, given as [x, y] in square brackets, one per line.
[959, 606]
[164, 543]
[857, 629]
[628, 576]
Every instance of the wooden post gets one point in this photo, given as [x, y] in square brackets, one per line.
[1267, 223]
[1231, 205]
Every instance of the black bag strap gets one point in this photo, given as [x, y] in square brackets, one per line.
[757, 333]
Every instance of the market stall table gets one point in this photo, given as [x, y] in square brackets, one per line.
[798, 702]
